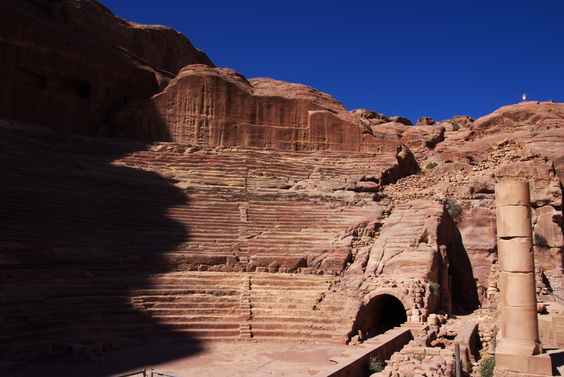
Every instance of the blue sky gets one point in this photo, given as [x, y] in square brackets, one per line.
[411, 58]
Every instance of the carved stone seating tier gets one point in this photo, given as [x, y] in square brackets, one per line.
[202, 305]
[103, 240]
[269, 210]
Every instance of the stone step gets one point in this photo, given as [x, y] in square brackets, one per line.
[46, 314]
[265, 308]
[301, 283]
[196, 279]
[279, 295]
[276, 241]
[284, 299]
[195, 294]
[188, 288]
[207, 323]
[287, 312]
[156, 304]
[290, 306]
[304, 335]
[280, 319]
[294, 326]
[175, 291]
[275, 287]
[167, 315]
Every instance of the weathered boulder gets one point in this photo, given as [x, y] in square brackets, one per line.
[462, 121]
[425, 121]
[371, 115]
[389, 130]
[69, 65]
[423, 136]
[549, 143]
[422, 139]
[402, 120]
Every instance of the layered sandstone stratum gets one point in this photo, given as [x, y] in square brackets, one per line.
[146, 193]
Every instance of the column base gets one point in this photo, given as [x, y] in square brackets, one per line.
[518, 347]
[515, 365]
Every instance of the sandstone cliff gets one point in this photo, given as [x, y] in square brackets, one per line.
[217, 180]
[70, 64]
[219, 107]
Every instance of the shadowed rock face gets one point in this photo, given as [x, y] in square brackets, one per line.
[79, 234]
[69, 65]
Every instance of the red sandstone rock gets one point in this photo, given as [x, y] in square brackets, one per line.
[373, 116]
[423, 136]
[537, 116]
[70, 65]
[219, 107]
[462, 121]
[545, 186]
[402, 120]
[389, 130]
[469, 185]
[547, 225]
[425, 121]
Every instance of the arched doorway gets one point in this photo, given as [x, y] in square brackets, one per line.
[380, 314]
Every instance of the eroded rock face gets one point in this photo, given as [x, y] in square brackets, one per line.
[463, 174]
[397, 250]
[69, 65]
[420, 240]
[423, 138]
[402, 120]
[219, 107]
[539, 116]
[425, 121]
[373, 116]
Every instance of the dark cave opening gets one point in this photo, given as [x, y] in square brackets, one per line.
[382, 313]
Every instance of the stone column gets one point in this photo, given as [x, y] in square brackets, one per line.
[518, 302]
[519, 335]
